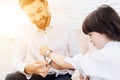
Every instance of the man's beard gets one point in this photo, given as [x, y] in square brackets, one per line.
[42, 22]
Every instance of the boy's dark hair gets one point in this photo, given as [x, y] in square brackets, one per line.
[23, 3]
[104, 20]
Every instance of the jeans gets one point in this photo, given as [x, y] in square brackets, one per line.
[20, 76]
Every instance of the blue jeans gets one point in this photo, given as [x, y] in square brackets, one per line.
[20, 76]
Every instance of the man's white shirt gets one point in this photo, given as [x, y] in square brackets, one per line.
[60, 36]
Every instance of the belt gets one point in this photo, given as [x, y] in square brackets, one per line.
[54, 74]
[50, 73]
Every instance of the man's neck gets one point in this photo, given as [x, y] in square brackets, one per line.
[39, 28]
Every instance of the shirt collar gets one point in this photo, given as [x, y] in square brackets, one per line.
[110, 43]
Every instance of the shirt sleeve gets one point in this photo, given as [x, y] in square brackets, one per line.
[19, 56]
[93, 65]
[74, 61]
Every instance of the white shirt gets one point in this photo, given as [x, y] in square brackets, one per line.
[60, 37]
[103, 64]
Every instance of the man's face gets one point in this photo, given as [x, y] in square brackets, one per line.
[38, 13]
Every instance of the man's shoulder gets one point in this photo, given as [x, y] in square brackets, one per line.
[23, 29]
[62, 22]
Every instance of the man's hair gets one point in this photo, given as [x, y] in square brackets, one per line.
[104, 20]
[23, 3]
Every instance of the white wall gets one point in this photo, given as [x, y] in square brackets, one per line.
[77, 10]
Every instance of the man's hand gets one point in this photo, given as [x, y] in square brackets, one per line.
[43, 50]
[38, 68]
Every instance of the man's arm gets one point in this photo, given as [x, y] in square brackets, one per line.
[38, 68]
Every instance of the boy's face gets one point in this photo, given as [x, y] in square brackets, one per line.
[38, 13]
[98, 39]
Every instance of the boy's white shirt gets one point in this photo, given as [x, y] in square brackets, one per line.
[103, 64]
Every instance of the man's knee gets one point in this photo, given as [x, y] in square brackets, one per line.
[15, 76]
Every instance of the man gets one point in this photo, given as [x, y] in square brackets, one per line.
[57, 34]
